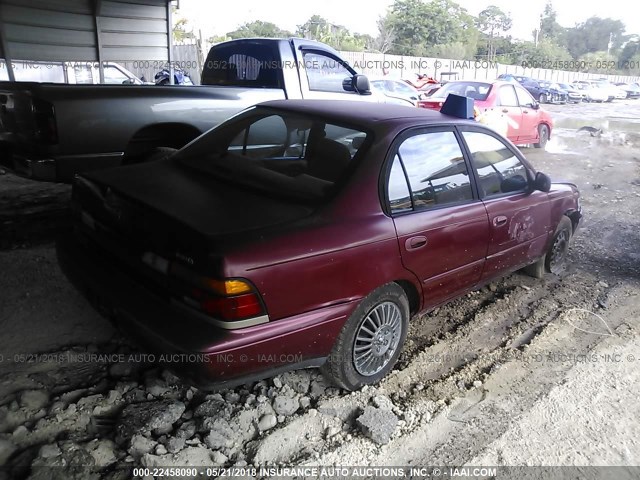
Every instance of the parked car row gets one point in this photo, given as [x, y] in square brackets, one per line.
[506, 106]
[600, 90]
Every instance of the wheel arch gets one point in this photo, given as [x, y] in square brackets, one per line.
[171, 134]
[412, 293]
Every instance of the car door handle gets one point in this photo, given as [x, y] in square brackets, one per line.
[525, 111]
[499, 221]
[415, 243]
[504, 110]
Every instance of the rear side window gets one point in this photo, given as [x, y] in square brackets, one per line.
[507, 96]
[499, 170]
[282, 153]
[246, 65]
[435, 171]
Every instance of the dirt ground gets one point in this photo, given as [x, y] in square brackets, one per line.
[522, 372]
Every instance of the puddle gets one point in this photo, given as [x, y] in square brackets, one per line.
[570, 141]
[607, 124]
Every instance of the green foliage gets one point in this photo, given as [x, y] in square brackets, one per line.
[418, 26]
[550, 29]
[259, 29]
[630, 50]
[336, 36]
[180, 32]
[593, 36]
[492, 21]
[218, 39]
[546, 52]
[598, 62]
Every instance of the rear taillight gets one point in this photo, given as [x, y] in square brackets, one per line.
[227, 300]
[46, 130]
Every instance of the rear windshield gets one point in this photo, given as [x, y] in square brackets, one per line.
[283, 154]
[476, 90]
[243, 64]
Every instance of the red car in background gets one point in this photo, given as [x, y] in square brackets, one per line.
[527, 122]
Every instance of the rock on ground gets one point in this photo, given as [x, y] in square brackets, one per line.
[158, 416]
[378, 424]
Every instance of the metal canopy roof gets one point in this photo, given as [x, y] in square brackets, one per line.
[84, 30]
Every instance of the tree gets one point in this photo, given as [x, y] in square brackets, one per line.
[594, 35]
[597, 62]
[386, 35]
[550, 29]
[492, 20]
[259, 28]
[631, 49]
[544, 53]
[418, 26]
[336, 36]
[180, 32]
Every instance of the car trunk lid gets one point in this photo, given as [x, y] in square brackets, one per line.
[173, 211]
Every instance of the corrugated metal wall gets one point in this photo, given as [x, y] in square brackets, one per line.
[66, 30]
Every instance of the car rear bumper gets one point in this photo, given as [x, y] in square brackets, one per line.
[197, 349]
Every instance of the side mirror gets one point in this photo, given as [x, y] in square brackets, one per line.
[358, 83]
[128, 81]
[542, 182]
[535, 105]
[361, 84]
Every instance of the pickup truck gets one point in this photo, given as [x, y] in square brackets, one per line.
[52, 132]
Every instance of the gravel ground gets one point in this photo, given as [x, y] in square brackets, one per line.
[521, 372]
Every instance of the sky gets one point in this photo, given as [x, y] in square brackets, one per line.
[218, 18]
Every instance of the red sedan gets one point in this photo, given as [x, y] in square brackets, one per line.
[307, 233]
[525, 122]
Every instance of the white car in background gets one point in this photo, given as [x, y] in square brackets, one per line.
[396, 91]
[593, 92]
[616, 91]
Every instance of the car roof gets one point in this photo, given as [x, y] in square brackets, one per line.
[367, 114]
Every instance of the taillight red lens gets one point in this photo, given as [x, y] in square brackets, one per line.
[232, 308]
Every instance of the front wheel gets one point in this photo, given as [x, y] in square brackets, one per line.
[543, 98]
[543, 136]
[370, 341]
[556, 257]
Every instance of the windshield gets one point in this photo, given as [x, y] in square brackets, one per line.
[280, 153]
[475, 90]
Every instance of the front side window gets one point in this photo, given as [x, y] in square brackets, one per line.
[325, 74]
[280, 153]
[113, 76]
[499, 169]
[435, 169]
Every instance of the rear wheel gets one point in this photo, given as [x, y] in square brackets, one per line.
[370, 341]
[543, 136]
[556, 257]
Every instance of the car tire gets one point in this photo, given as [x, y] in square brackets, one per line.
[382, 320]
[556, 256]
[543, 98]
[543, 136]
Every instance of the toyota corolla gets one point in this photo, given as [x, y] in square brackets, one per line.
[308, 233]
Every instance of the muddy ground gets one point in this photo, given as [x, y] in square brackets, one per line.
[521, 372]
